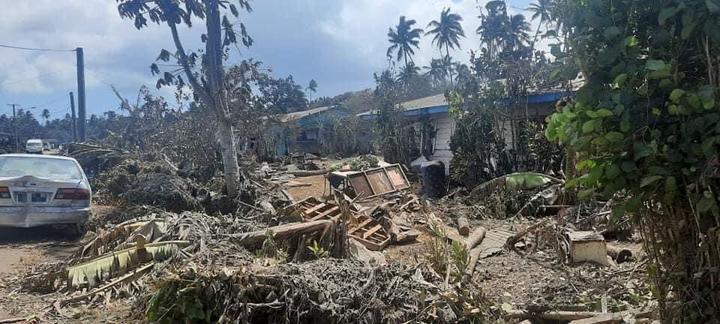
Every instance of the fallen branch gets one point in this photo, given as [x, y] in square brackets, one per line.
[475, 238]
[463, 226]
[618, 254]
[551, 315]
[474, 256]
[15, 320]
[280, 232]
[306, 173]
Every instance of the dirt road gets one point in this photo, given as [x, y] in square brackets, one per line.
[24, 248]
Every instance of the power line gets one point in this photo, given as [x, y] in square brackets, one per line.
[36, 49]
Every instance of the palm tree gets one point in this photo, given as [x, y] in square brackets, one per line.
[312, 87]
[408, 73]
[403, 39]
[493, 27]
[541, 10]
[517, 34]
[437, 71]
[447, 31]
[46, 115]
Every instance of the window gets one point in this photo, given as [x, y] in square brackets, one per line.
[47, 168]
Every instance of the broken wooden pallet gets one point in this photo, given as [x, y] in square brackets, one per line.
[365, 229]
[370, 233]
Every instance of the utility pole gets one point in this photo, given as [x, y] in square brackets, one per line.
[81, 93]
[72, 121]
[14, 125]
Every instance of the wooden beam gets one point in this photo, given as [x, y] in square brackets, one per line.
[361, 225]
[280, 232]
[372, 231]
[314, 208]
[325, 213]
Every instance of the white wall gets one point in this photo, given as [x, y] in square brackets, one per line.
[445, 127]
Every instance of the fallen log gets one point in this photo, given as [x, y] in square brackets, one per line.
[551, 315]
[280, 232]
[307, 173]
[15, 320]
[472, 245]
[619, 254]
[474, 256]
[610, 318]
[475, 238]
[463, 226]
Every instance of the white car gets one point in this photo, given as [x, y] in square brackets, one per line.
[34, 146]
[37, 190]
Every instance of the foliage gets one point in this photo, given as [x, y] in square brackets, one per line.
[460, 258]
[203, 71]
[284, 94]
[479, 151]
[447, 32]
[645, 127]
[495, 133]
[396, 142]
[402, 40]
[318, 250]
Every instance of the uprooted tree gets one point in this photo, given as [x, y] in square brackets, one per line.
[203, 72]
[645, 130]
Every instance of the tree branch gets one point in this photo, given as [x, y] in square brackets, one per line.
[200, 90]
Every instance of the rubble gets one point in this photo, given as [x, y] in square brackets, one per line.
[179, 249]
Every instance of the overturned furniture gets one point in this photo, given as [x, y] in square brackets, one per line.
[364, 229]
[370, 183]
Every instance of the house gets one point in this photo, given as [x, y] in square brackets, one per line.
[430, 119]
[304, 131]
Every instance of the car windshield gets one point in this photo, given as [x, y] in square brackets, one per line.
[47, 168]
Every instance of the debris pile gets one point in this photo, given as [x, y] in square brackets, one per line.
[367, 249]
[326, 290]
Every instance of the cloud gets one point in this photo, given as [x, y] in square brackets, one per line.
[115, 52]
[339, 43]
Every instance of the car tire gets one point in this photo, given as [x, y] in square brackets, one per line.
[77, 231]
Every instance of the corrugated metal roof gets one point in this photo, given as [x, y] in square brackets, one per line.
[302, 114]
[432, 101]
[420, 103]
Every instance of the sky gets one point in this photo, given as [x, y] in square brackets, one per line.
[338, 43]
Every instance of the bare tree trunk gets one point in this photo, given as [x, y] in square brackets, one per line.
[218, 96]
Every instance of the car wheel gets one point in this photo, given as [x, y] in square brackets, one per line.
[77, 231]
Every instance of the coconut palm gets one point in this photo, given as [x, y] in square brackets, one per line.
[437, 72]
[493, 27]
[403, 39]
[312, 87]
[408, 73]
[541, 10]
[447, 32]
[46, 115]
[517, 33]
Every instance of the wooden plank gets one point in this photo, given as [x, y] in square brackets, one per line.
[372, 230]
[361, 186]
[380, 182]
[372, 188]
[314, 209]
[397, 177]
[361, 225]
[325, 213]
[387, 175]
